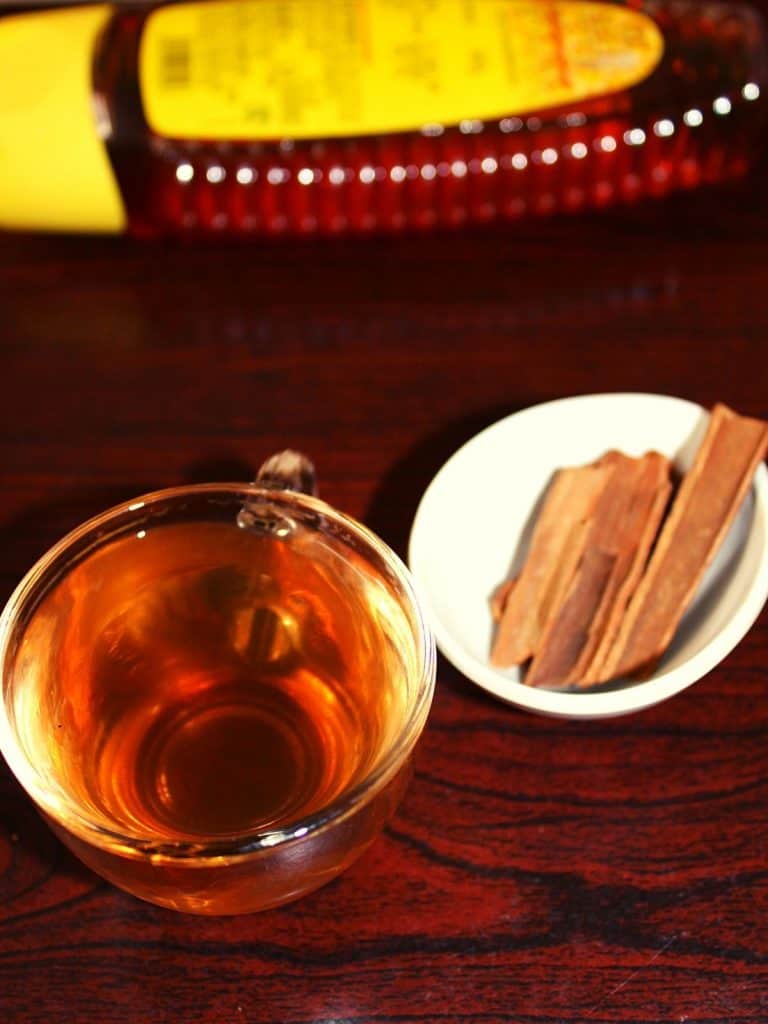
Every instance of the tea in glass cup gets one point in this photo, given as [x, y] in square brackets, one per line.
[212, 693]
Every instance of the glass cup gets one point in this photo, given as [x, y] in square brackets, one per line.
[212, 693]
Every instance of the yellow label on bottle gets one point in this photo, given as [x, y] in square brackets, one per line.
[266, 69]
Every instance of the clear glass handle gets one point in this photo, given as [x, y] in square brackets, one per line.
[288, 470]
[285, 471]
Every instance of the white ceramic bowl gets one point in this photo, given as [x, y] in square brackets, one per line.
[470, 526]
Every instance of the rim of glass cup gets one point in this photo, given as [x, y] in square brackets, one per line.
[241, 844]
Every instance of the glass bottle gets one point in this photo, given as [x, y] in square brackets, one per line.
[654, 96]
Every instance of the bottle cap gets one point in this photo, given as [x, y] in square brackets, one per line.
[54, 170]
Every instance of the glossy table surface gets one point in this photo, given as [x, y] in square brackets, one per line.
[538, 870]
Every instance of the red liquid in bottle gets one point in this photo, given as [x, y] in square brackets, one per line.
[695, 119]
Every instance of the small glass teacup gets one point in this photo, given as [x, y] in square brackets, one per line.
[212, 692]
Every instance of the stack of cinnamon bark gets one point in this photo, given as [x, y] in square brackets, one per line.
[615, 558]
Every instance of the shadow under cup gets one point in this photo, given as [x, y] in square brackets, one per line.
[212, 693]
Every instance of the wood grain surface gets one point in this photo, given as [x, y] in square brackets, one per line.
[538, 871]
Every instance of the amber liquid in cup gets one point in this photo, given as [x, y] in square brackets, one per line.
[196, 682]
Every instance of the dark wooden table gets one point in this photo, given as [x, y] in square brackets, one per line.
[538, 870]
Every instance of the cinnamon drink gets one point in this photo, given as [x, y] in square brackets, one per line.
[198, 680]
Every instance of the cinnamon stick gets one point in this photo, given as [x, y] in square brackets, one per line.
[624, 522]
[702, 512]
[652, 490]
[556, 546]
[499, 598]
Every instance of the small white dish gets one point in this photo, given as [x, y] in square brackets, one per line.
[472, 522]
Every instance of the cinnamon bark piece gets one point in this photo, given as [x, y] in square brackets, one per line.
[651, 493]
[701, 514]
[625, 520]
[555, 549]
[499, 598]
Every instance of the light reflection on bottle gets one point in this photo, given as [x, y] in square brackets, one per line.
[495, 162]
[634, 137]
